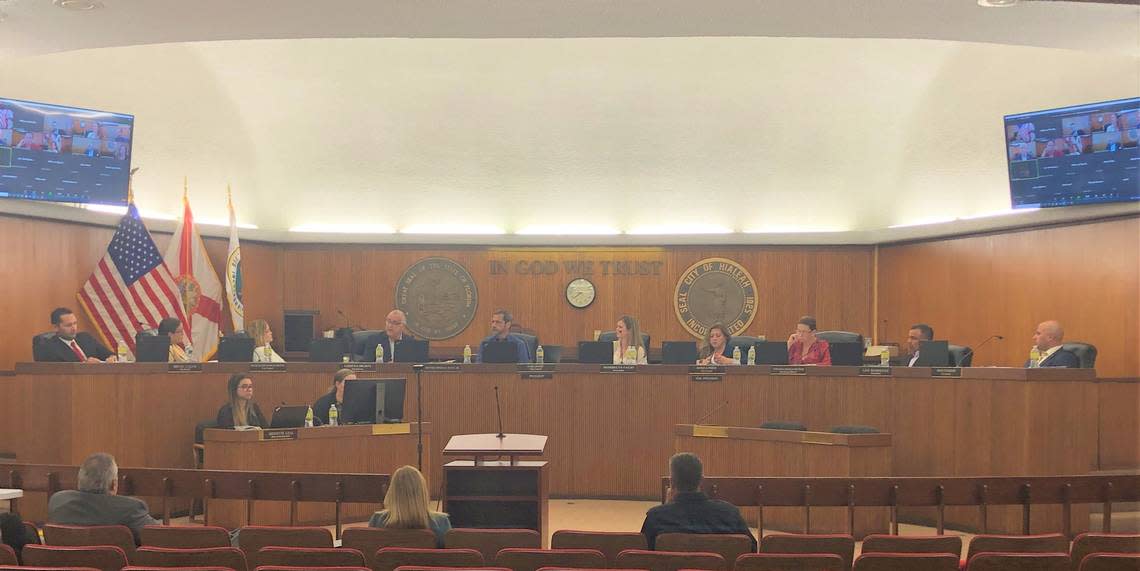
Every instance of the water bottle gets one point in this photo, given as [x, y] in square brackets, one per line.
[885, 358]
[1034, 357]
[466, 354]
[539, 355]
[333, 415]
[736, 353]
[309, 417]
[752, 355]
[344, 358]
[121, 352]
[379, 352]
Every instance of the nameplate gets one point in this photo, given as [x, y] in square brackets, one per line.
[705, 369]
[398, 428]
[710, 432]
[184, 368]
[536, 375]
[267, 367]
[950, 372]
[874, 371]
[619, 368]
[443, 367]
[279, 433]
[788, 370]
[536, 367]
[360, 367]
[706, 377]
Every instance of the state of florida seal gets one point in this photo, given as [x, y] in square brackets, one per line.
[439, 297]
[715, 290]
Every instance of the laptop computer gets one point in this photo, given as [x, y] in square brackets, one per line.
[326, 350]
[411, 351]
[771, 353]
[289, 416]
[933, 354]
[152, 348]
[850, 354]
[235, 349]
[599, 352]
[496, 352]
[678, 352]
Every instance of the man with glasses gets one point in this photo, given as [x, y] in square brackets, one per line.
[389, 338]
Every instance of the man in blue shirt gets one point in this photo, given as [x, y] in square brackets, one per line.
[501, 333]
[688, 509]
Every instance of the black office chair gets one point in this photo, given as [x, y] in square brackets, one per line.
[611, 336]
[846, 347]
[359, 338]
[960, 355]
[552, 353]
[531, 345]
[39, 341]
[1086, 352]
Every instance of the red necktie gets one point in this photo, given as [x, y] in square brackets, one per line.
[78, 351]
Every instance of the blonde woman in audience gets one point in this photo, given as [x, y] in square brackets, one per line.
[406, 506]
[628, 337]
[262, 338]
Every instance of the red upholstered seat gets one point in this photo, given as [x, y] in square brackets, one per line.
[368, 540]
[389, 558]
[310, 557]
[789, 562]
[229, 557]
[841, 545]
[83, 535]
[669, 560]
[101, 557]
[610, 543]
[490, 541]
[990, 561]
[519, 559]
[907, 562]
[185, 537]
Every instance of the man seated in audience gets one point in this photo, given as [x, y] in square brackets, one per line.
[689, 510]
[918, 333]
[97, 502]
[1047, 338]
[71, 344]
[501, 333]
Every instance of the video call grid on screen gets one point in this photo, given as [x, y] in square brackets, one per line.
[1084, 154]
[64, 154]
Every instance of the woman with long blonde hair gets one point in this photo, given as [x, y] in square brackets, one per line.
[262, 338]
[406, 505]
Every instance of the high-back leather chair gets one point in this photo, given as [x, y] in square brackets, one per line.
[1086, 352]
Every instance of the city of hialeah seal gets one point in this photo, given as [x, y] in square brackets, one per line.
[715, 290]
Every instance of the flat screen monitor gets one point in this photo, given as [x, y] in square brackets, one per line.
[411, 351]
[235, 349]
[374, 401]
[1084, 154]
[152, 348]
[64, 154]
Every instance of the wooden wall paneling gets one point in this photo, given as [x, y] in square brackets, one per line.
[1118, 430]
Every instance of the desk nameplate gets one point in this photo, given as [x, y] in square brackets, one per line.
[184, 368]
[875, 371]
[710, 431]
[706, 378]
[443, 368]
[949, 372]
[536, 371]
[267, 367]
[400, 428]
[279, 434]
[788, 370]
[620, 369]
[360, 367]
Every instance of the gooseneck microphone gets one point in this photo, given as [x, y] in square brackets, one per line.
[499, 410]
[711, 412]
[972, 350]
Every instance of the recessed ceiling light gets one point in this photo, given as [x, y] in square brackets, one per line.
[997, 3]
[79, 5]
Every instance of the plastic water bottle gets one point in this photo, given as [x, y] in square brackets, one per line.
[885, 358]
[752, 355]
[121, 352]
[1034, 357]
[344, 358]
[539, 355]
[333, 415]
[736, 353]
[379, 352]
[466, 354]
[309, 417]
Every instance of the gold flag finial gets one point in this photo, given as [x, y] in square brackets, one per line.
[229, 196]
[185, 188]
[131, 185]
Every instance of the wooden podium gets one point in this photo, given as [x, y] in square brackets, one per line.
[483, 493]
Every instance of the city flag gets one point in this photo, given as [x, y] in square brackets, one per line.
[233, 270]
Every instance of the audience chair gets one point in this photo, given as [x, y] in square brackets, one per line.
[1044, 543]
[310, 557]
[728, 546]
[990, 561]
[83, 535]
[789, 562]
[950, 544]
[368, 540]
[1111, 562]
[389, 558]
[185, 537]
[101, 557]
[841, 545]
[144, 568]
[8, 555]
[280, 568]
[669, 560]
[490, 542]
[425, 568]
[907, 562]
[1086, 544]
[229, 557]
[18, 568]
[610, 543]
[527, 559]
[252, 538]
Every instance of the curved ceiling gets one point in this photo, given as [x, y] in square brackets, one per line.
[519, 117]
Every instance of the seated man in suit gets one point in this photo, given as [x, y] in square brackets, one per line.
[918, 333]
[97, 502]
[389, 338]
[688, 509]
[501, 333]
[71, 345]
[1047, 338]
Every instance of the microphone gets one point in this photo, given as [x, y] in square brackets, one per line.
[499, 410]
[972, 350]
[345, 317]
[712, 412]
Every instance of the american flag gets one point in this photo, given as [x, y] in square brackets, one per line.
[131, 288]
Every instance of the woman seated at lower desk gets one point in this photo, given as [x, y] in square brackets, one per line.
[262, 336]
[172, 327]
[627, 346]
[406, 506]
[334, 396]
[241, 410]
[715, 349]
[805, 348]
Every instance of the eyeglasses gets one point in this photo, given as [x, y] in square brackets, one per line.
[390, 322]
[245, 387]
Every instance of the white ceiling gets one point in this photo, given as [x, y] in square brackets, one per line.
[811, 121]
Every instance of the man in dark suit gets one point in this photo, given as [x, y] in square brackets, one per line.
[918, 333]
[389, 338]
[688, 509]
[97, 502]
[1047, 338]
[69, 345]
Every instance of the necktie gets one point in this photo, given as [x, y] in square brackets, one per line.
[78, 352]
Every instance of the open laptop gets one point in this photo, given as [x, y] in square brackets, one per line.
[678, 352]
[600, 352]
[326, 350]
[411, 351]
[152, 348]
[235, 349]
[771, 353]
[496, 352]
[933, 354]
[289, 416]
[849, 354]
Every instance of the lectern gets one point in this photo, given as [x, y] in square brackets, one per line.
[483, 493]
